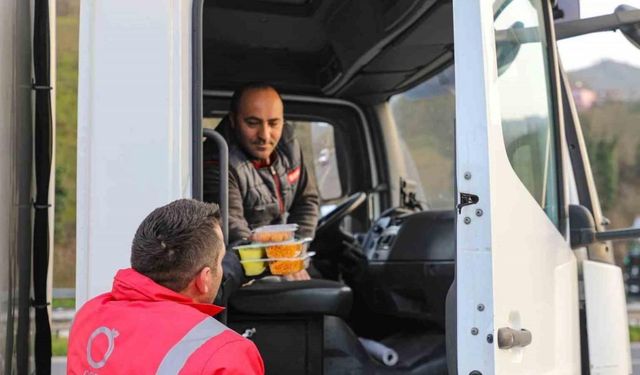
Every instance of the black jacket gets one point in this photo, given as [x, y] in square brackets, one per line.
[283, 192]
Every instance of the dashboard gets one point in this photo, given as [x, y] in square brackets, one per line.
[421, 236]
[410, 264]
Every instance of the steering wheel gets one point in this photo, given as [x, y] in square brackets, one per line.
[344, 209]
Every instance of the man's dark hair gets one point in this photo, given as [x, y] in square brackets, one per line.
[176, 241]
[237, 95]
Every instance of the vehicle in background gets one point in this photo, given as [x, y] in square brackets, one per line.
[632, 268]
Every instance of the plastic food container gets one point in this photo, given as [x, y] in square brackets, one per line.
[253, 268]
[274, 233]
[252, 259]
[279, 266]
[287, 266]
[288, 249]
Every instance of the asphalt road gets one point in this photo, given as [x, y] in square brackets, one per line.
[635, 358]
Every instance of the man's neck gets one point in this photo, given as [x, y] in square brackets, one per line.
[261, 163]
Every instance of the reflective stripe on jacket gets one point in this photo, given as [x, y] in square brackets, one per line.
[141, 327]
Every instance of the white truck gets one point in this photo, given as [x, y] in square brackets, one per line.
[462, 226]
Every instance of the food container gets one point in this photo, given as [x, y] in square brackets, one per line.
[287, 249]
[288, 266]
[274, 233]
[285, 267]
[281, 266]
[253, 268]
[252, 258]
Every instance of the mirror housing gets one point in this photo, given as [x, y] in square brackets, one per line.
[582, 229]
[630, 31]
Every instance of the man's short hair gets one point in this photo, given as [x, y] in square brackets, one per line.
[237, 95]
[176, 241]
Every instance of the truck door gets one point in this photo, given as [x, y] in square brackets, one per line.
[517, 290]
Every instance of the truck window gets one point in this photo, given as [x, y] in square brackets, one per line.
[528, 127]
[319, 152]
[424, 117]
[211, 122]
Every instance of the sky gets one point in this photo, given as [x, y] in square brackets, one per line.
[583, 51]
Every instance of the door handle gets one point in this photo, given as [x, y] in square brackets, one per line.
[510, 338]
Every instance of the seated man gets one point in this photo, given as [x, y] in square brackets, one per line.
[268, 180]
[157, 318]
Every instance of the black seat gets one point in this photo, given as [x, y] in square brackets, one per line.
[293, 315]
[269, 297]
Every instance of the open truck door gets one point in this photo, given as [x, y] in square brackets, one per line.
[516, 277]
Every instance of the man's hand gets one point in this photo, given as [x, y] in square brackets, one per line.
[300, 275]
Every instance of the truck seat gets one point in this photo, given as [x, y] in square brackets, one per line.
[269, 297]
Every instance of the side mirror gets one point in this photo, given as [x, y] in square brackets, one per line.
[583, 229]
[625, 18]
[630, 31]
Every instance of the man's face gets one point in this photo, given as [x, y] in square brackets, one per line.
[258, 123]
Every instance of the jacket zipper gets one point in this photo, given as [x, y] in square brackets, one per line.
[276, 179]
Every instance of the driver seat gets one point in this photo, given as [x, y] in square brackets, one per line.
[287, 320]
[273, 296]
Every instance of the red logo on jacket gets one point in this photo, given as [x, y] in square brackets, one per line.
[293, 176]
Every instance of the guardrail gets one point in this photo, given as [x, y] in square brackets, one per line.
[63, 293]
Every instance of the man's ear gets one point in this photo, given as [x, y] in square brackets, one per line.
[203, 280]
[232, 119]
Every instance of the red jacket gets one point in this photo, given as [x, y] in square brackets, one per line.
[144, 328]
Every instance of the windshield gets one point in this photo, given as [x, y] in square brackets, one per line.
[424, 117]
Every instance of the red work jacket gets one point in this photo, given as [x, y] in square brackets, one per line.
[141, 327]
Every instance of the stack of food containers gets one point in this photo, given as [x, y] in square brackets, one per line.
[276, 246]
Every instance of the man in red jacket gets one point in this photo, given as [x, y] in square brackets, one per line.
[157, 318]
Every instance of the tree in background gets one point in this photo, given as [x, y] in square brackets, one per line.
[604, 164]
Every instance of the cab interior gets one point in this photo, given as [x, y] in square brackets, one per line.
[368, 87]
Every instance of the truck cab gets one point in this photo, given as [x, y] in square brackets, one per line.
[460, 223]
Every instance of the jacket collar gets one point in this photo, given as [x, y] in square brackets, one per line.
[130, 285]
[263, 164]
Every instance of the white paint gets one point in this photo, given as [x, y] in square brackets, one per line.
[474, 260]
[609, 351]
[512, 259]
[134, 127]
